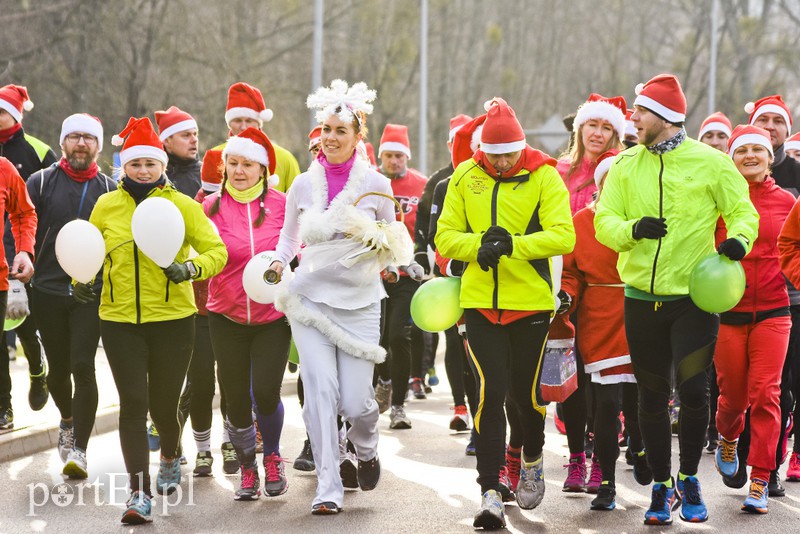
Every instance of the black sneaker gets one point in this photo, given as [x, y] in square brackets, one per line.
[6, 418]
[369, 473]
[230, 463]
[738, 480]
[349, 473]
[305, 460]
[775, 487]
[417, 388]
[38, 394]
[325, 508]
[605, 497]
[641, 470]
[202, 464]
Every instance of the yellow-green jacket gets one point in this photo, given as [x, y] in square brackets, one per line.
[135, 289]
[533, 207]
[690, 186]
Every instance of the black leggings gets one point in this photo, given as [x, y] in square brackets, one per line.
[459, 373]
[29, 338]
[70, 332]
[606, 416]
[250, 355]
[660, 334]
[506, 359]
[401, 339]
[5, 371]
[149, 363]
[575, 411]
[198, 393]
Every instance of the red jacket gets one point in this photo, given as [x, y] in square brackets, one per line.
[15, 201]
[766, 287]
[408, 192]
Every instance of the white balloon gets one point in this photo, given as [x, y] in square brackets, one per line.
[80, 250]
[158, 230]
[253, 278]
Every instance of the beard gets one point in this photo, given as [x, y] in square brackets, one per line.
[80, 161]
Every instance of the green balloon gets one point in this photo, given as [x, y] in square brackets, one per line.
[294, 357]
[717, 283]
[11, 324]
[436, 305]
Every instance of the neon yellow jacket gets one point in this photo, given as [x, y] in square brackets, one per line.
[533, 207]
[286, 166]
[690, 186]
[135, 289]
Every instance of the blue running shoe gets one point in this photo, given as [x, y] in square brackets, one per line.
[727, 459]
[153, 439]
[693, 508]
[433, 379]
[663, 501]
[139, 509]
[169, 475]
[756, 501]
[470, 450]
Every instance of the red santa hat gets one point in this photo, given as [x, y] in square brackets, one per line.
[769, 104]
[502, 133]
[630, 128]
[663, 95]
[14, 99]
[395, 139]
[467, 140]
[748, 135]
[314, 137]
[611, 110]
[139, 140]
[716, 122]
[371, 155]
[253, 144]
[604, 163]
[455, 124]
[244, 100]
[82, 123]
[173, 121]
[793, 143]
[211, 171]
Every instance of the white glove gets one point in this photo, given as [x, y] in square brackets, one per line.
[414, 270]
[17, 306]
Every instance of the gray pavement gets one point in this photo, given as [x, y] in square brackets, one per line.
[428, 485]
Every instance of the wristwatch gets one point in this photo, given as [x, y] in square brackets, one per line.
[192, 269]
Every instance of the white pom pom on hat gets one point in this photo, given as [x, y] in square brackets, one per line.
[638, 88]
[27, 105]
[117, 140]
[274, 180]
[750, 107]
[266, 115]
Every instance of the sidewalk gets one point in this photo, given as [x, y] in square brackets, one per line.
[38, 431]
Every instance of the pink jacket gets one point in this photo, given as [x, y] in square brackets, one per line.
[226, 294]
[578, 199]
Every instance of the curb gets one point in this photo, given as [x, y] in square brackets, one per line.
[33, 439]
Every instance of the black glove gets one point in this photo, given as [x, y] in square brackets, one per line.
[489, 253]
[650, 228]
[177, 272]
[424, 262]
[457, 267]
[83, 294]
[566, 302]
[732, 248]
[495, 233]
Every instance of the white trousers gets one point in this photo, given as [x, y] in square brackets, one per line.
[335, 382]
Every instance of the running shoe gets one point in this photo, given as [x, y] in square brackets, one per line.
[491, 515]
[383, 395]
[275, 481]
[369, 473]
[230, 463]
[595, 476]
[513, 464]
[738, 480]
[576, 474]
[433, 378]
[756, 501]
[348, 471]
[153, 440]
[249, 485]
[75, 467]
[325, 508]
[530, 490]
[460, 420]
[305, 460]
[417, 388]
[504, 485]
[776, 489]
[727, 459]
[470, 449]
[641, 469]
[606, 495]
[38, 393]
[693, 509]
[138, 509]
[169, 475]
[793, 473]
[398, 419]
[6, 418]
[66, 441]
[203, 463]
[663, 501]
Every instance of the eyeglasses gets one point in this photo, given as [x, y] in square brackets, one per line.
[76, 138]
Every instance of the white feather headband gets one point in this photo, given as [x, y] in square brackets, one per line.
[339, 96]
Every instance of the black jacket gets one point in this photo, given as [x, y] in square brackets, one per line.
[184, 174]
[786, 172]
[58, 200]
[422, 238]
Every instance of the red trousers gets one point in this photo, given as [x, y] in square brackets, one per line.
[749, 360]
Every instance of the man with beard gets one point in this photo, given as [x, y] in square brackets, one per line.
[178, 131]
[28, 155]
[69, 323]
